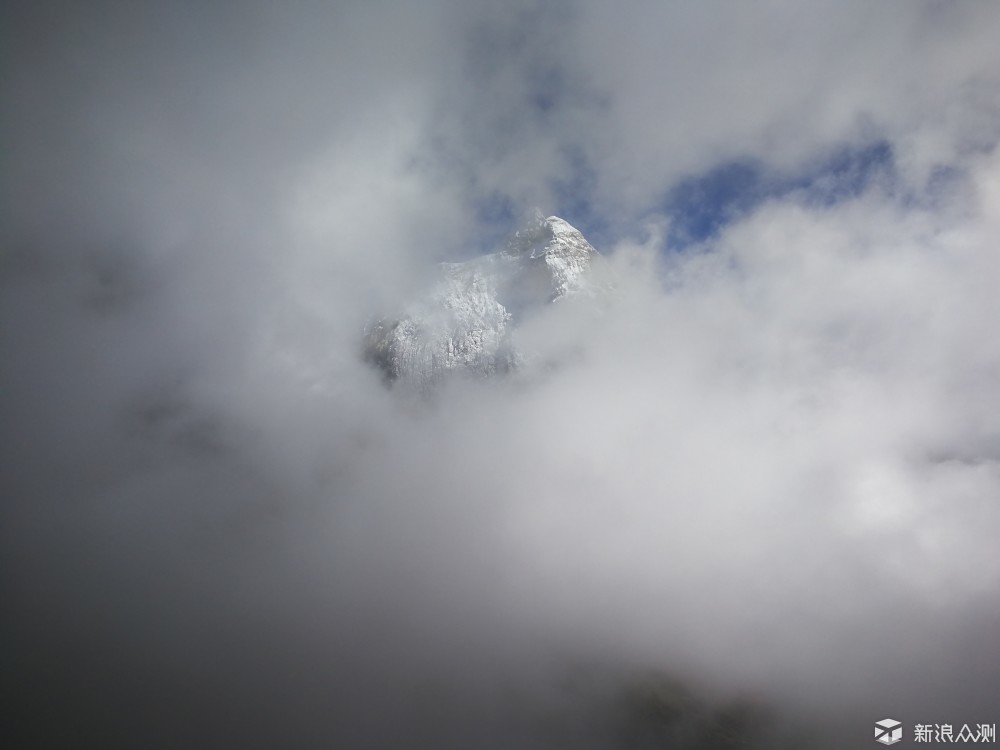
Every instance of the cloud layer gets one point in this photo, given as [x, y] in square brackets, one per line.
[770, 463]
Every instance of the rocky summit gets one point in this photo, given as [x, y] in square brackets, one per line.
[464, 323]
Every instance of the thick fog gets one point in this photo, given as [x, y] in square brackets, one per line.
[766, 464]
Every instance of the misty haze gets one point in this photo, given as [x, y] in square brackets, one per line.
[498, 375]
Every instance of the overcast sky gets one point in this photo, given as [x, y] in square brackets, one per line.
[773, 464]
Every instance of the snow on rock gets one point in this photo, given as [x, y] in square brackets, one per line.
[463, 324]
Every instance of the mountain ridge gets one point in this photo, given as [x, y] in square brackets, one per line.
[463, 324]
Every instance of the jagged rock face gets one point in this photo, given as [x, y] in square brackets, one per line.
[464, 323]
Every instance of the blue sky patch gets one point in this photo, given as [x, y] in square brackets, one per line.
[700, 206]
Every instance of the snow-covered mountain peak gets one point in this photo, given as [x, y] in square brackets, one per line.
[465, 321]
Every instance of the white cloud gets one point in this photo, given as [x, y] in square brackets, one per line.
[771, 460]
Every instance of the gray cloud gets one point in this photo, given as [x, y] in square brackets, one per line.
[768, 464]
